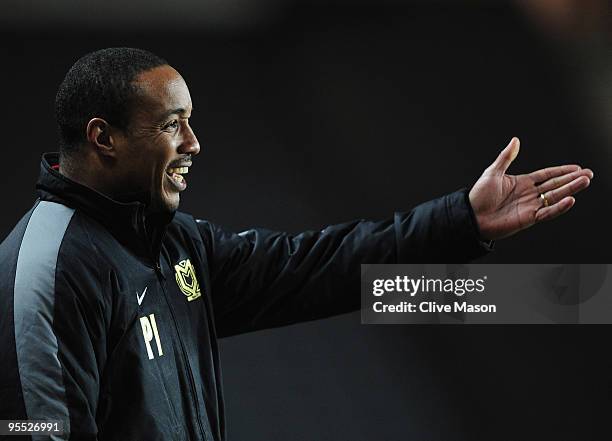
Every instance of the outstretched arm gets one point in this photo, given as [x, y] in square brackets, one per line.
[505, 204]
[261, 279]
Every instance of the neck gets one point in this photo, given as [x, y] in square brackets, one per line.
[86, 173]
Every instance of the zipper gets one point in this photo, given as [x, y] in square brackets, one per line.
[160, 276]
[161, 279]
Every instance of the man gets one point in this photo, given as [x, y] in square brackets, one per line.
[112, 301]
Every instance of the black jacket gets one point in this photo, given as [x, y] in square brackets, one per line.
[110, 318]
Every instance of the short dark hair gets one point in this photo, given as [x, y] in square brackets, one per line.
[100, 84]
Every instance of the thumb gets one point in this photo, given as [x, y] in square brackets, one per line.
[507, 155]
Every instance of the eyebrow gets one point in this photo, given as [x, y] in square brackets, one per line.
[177, 111]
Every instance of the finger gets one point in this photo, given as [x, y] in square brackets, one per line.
[573, 187]
[552, 172]
[507, 155]
[558, 181]
[556, 210]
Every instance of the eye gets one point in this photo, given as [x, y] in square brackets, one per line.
[172, 125]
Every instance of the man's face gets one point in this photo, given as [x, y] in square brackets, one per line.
[155, 151]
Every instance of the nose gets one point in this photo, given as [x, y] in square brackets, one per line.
[190, 144]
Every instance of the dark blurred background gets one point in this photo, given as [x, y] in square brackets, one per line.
[316, 112]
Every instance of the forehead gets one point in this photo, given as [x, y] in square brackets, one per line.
[161, 89]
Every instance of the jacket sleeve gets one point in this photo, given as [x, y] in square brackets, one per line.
[61, 346]
[263, 279]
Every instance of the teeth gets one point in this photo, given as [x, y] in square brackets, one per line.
[177, 178]
[179, 170]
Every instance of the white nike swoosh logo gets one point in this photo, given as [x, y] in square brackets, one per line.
[139, 298]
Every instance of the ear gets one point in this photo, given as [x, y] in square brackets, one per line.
[99, 135]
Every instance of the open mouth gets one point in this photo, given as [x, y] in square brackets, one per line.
[176, 176]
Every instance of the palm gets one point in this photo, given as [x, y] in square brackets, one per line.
[505, 204]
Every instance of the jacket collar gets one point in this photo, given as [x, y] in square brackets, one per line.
[127, 221]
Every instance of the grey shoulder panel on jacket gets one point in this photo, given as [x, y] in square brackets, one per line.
[34, 300]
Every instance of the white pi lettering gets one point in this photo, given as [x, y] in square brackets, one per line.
[149, 330]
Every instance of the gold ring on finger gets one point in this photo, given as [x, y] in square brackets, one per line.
[544, 199]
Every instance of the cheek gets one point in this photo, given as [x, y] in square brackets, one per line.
[144, 176]
[150, 159]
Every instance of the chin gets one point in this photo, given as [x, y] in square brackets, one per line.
[165, 205]
[170, 206]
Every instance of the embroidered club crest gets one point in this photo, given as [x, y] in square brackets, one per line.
[186, 279]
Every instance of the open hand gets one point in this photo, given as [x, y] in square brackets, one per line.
[505, 204]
